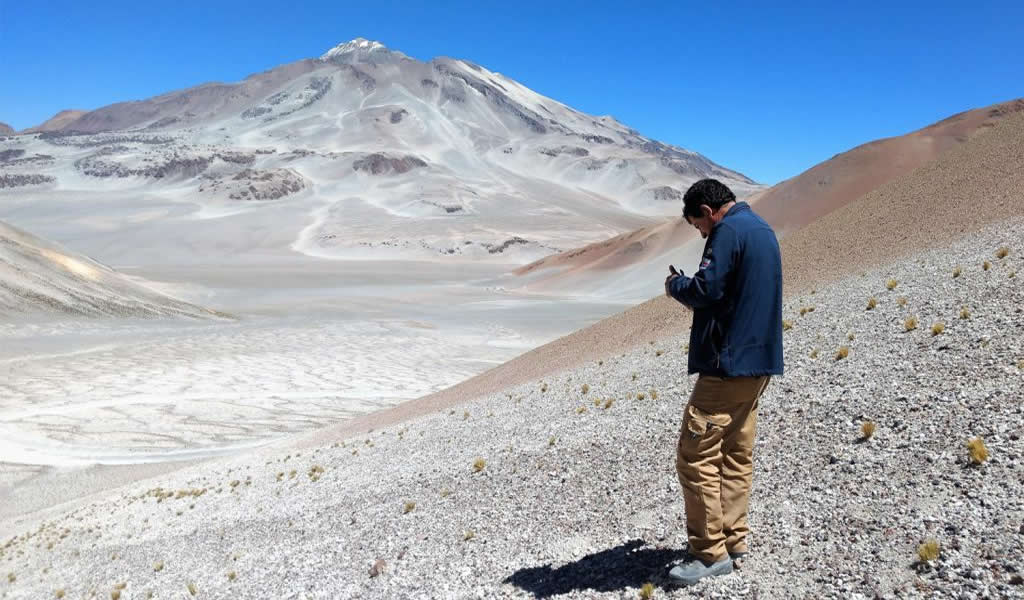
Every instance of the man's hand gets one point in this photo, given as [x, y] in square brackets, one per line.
[668, 281]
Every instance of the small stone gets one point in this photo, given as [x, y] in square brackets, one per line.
[378, 567]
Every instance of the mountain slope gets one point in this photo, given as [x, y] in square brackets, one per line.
[37, 276]
[377, 155]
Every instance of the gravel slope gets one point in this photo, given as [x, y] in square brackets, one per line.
[585, 504]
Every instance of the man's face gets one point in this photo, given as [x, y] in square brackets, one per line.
[703, 223]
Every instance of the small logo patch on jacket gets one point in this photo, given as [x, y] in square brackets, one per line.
[706, 262]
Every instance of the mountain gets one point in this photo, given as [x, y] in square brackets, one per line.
[630, 263]
[39, 276]
[57, 122]
[376, 155]
[6, 129]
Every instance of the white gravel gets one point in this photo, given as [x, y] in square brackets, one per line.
[586, 504]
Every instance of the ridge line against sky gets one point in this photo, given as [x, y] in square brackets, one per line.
[768, 91]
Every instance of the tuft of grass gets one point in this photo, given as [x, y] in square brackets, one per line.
[115, 594]
[543, 388]
[468, 535]
[11, 578]
[1020, 364]
[654, 394]
[806, 309]
[597, 401]
[985, 266]
[867, 429]
[409, 507]
[872, 303]
[608, 403]
[192, 589]
[479, 464]
[786, 325]
[585, 388]
[976, 448]
[842, 353]
[640, 396]
[158, 566]
[232, 575]
[891, 284]
[659, 352]
[814, 353]
[956, 272]
[964, 313]
[910, 324]
[551, 441]
[465, 415]
[315, 472]
[1012, 274]
[647, 591]
[581, 410]
[634, 376]
[938, 327]
[59, 593]
[1002, 252]
[850, 336]
[928, 550]
[902, 301]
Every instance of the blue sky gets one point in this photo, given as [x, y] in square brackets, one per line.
[767, 90]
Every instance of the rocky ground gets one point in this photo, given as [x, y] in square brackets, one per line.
[566, 487]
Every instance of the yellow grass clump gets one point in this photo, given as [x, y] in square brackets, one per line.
[850, 336]
[938, 328]
[842, 353]
[956, 272]
[654, 394]
[59, 593]
[585, 388]
[872, 303]
[479, 464]
[910, 324]
[976, 448]
[1002, 252]
[158, 566]
[608, 403]
[468, 535]
[640, 396]
[232, 575]
[891, 284]
[786, 325]
[928, 551]
[544, 388]
[964, 313]
[867, 429]
[659, 352]
[581, 410]
[814, 353]
[647, 591]
[985, 266]
[409, 507]
[902, 301]
[192, 589]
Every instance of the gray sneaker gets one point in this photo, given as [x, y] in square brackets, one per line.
[692, 570]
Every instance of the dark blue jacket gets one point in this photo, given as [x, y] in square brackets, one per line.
[736, 297]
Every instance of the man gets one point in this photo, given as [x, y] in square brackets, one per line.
[735, 347]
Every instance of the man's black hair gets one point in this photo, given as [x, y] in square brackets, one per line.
[712, 192]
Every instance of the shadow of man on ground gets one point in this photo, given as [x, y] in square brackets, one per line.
[626, 565]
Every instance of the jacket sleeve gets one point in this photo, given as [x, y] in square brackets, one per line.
[707, 286]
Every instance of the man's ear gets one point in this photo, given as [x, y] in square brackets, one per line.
[706, 211]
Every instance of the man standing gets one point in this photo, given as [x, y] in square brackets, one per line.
[735, 347]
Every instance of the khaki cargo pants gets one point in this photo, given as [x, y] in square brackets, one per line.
[714, 460]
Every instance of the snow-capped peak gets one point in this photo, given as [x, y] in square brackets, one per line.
[357, 49]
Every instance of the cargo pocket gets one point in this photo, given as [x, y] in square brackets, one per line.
[698, 421]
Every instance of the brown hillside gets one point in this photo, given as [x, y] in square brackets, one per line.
[57, 122]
